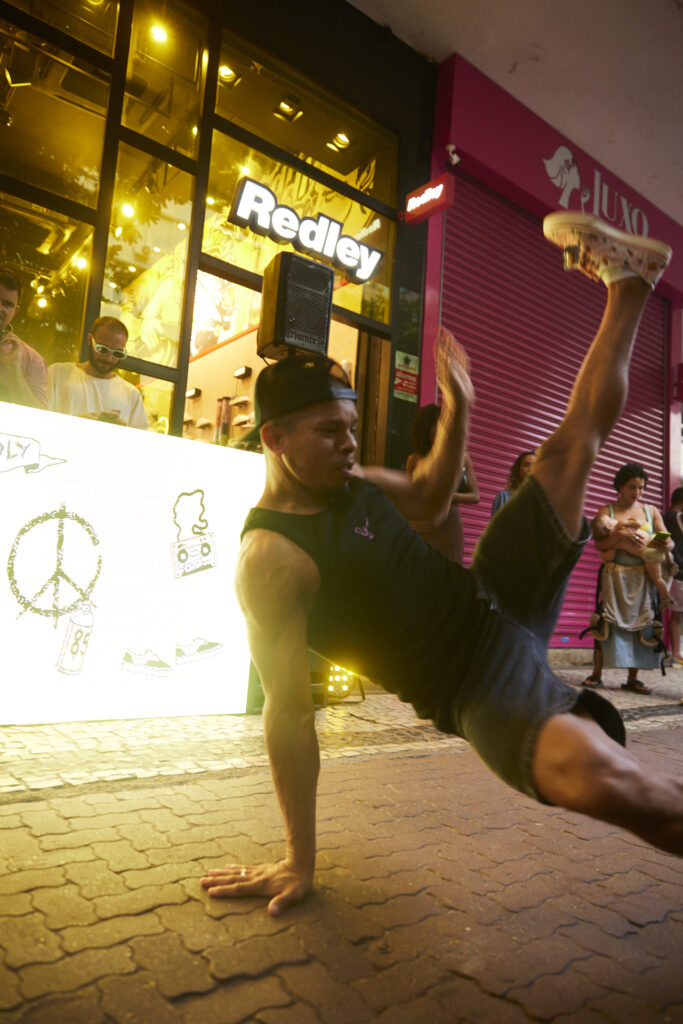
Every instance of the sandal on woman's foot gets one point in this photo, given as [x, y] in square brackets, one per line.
[593, 682]
[635, 686]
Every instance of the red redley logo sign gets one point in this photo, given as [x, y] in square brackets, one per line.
[434, 197]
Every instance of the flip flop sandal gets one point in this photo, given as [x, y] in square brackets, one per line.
[636, 687]
[592, 683]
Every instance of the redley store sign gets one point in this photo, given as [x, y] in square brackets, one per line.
[257, 207]
[506, 146]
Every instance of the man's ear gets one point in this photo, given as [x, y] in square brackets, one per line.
[271, 437]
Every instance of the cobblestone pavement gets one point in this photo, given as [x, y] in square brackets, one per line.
[42, 757]
[441, 895]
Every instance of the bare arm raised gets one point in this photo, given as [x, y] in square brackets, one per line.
[276, 583]
[426, 495]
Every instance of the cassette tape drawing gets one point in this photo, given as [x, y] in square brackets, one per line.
[195, 549]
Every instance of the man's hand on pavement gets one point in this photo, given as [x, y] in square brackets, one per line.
[282, 880]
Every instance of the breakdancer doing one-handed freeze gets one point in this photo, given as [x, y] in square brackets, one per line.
[329, 561]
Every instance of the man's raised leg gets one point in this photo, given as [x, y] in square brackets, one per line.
[630, 266]
[576, 764]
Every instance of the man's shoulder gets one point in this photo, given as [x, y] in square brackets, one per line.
[269, 561]
[125, 384]
[261, 546]
[61, 369]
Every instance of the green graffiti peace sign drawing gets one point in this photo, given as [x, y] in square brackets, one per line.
[27, 548]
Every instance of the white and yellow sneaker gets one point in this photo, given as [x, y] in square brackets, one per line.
[602, 252]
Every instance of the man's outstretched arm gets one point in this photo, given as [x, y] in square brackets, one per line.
[426, 495]
[275, 582]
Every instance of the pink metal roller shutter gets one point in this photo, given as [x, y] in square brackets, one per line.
[526, 325]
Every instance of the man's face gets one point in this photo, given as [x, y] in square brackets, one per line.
[9, 303]
[103, 363]
[318, 446]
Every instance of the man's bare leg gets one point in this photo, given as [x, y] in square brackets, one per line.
[577, 766]
[565, 460]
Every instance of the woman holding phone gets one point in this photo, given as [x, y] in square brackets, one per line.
[629, 534]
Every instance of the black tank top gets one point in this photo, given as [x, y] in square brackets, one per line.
[390, 606]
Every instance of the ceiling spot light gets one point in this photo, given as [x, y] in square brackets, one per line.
[244, 169]
[42, 302]
[156, 249]
[340, 141]
[158, 34]
[127, 210]
[132, 269]
[288, 109]
[210, 200]
[112, 284]
[40, 289]
[227, 76]
[118, 232]
[81, 262]
[194, 130]
[181, 226]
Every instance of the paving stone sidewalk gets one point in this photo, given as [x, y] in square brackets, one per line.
[38, 758]
[441, 894]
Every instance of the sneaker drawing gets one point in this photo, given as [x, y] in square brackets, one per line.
[145, 664]
[196, 651]
[590, 246]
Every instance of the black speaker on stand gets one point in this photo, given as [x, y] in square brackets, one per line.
[296, 306]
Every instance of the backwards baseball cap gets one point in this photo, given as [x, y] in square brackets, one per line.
[294, 383]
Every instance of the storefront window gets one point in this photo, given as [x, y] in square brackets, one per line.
[219, 405]
[147, 253]
[224, 363]
[283, 107]
[92, 22]
[157, 398]
[52, 109]
[51, 254]
[166, 74]
[231, 162]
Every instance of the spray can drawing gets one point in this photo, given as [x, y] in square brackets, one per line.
[76, 640]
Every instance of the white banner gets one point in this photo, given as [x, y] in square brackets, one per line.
[117, 557]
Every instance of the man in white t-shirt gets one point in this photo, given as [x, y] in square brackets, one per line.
[93, 389]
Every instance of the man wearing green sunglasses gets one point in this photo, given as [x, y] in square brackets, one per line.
[93, 389]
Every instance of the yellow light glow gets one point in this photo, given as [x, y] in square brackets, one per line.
[158, 34]
[156, 249]
[244, 169]
[226, 73]
[287, 107]
[210, 200]
[132, 268]
[181, 226]
[112, 284]
[118, 232]
[40, 289]
[341, 139]
[194, 130]
[42, 302]
[81, 262]
[127, 210]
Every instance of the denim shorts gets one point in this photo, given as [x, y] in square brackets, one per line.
[522, 565]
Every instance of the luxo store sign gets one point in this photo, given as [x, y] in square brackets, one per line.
[256, 207]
